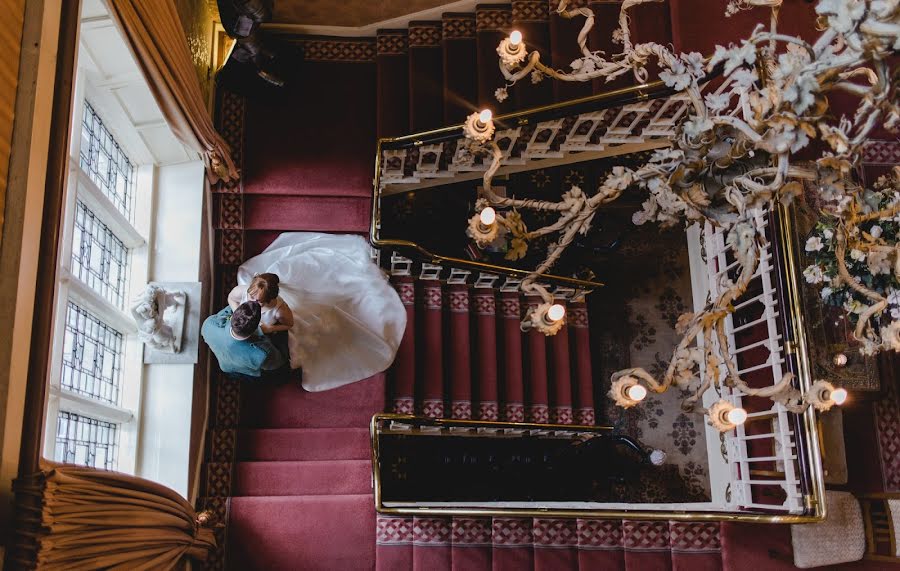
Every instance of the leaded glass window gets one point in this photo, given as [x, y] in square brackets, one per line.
[106, 163]
[99, 258]
[92, 357]
[86, 441]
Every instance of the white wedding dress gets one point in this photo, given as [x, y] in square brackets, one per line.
[348, 319]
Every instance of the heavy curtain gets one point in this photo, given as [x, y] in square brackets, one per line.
[72, 517]
[156, 37]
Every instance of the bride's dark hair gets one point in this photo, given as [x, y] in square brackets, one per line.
[264, 287]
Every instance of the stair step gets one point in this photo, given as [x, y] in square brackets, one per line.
[286, 444]
[306, 141]
[288, 405]
[310, 214]
[302, 532]
[307, 478]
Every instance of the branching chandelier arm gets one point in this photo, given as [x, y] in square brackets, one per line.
[731, 156]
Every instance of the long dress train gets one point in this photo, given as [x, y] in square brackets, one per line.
[348, 319]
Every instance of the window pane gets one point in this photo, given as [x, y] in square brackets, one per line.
[92, 357]
[86, 441]
[99, 258]
[106, 163]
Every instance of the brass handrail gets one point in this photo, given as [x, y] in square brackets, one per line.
[644, 514]
[605, 100]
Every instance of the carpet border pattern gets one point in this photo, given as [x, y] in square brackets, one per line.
[221, 441]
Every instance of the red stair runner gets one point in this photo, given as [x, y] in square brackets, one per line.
[300, 490]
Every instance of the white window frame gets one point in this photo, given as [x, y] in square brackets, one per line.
[137, 238]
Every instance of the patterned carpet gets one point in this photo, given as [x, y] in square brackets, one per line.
[646, 304]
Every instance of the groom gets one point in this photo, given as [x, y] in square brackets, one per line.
[241, 348]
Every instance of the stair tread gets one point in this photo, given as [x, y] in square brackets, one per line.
[289, 406]
[302, 478]
[312, 532]
[315, 214]
[289, 444]
[305, 140]
[315, 192]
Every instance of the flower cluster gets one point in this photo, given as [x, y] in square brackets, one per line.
[866, 236]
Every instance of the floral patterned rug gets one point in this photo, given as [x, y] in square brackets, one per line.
[641, 306]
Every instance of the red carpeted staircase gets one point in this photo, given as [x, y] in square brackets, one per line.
[300, 469]
[295, 464]
[301, 494]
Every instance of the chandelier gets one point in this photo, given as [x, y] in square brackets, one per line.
[732, 156]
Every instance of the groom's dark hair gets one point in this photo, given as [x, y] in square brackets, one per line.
[245, 319]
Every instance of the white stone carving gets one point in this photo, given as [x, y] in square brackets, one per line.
[159, 315]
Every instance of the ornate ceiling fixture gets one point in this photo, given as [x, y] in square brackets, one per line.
[731, 157]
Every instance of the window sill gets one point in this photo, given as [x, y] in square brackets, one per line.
[96, 201]
[92, 301]
[93, 408]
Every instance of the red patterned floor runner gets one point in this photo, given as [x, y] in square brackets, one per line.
[471, 544]
[460, 361]
[486, 354]
[513, 383]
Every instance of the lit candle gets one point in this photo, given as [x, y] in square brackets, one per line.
[556, 312]
[636, 393]
[839, 396]
[736, 416]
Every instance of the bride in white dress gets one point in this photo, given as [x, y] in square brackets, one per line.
[347, 318]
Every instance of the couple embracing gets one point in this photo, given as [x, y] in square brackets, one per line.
[314, 302]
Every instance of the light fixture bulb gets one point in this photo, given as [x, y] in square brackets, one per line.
[556, 312]
[515, 38]
[488, 216]
[636, 393]
[485, 116]
[736, 416]
[839, 396]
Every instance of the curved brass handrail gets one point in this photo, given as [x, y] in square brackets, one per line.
[606, 100]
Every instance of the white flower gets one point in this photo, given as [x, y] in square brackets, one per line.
[826, 292]
[893, 296]
[814, 274]
[734, 57]
[696, 125]
[890, 335]
[501, 94]
[857, 255]
[895, 313]
[683, 71]
[717, 101]
[802, 92]
[584, 65]
[620, 178]
[694, 63]
[828, 233]
[879, 263]
[743, 79]
[876, 231]
[814, 244]
[841, 14]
